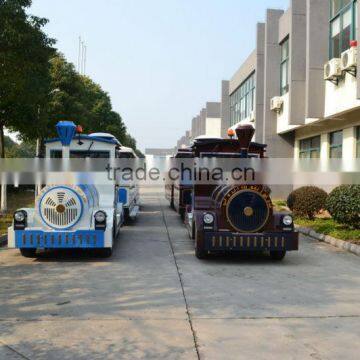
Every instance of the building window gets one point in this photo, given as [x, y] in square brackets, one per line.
[358, 142]
[284, 67]
[310, 148]
[336, 141]
[242, 101]
[343, 24]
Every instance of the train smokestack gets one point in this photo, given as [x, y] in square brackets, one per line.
[245, 134]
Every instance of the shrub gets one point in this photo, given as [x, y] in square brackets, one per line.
[343, 204]
[307, 201]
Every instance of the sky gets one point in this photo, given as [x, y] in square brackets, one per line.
[159, 60]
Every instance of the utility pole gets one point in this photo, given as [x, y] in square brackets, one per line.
[85, 49]
[82, 57]
[79, 55]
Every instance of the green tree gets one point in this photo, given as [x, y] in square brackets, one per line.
[81, 100]
[22, 150]
[25, 51]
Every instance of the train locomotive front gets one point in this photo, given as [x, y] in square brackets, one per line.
[71, 214]
[64, 217]
[238, 217]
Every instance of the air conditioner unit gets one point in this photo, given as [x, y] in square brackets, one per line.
[332, 70]
[252, 116]
[349, 59]
[276, 103]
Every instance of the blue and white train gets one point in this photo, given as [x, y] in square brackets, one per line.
[80, 216]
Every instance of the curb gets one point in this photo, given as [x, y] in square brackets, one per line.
[3, 240]
[341, 244]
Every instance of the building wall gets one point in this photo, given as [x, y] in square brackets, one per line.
[342, 97]
[225, 108]
[324, 129]
[213, 127]
[280, 146]
[312, 106]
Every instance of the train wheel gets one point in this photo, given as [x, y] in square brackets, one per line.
[182, 214]
[106, 252]
[277, 255]
[200, 253]
[28, 253]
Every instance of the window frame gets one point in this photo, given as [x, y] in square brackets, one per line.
[284, 62]
[340, 15]
[337, 146]
[357, 141]
[311, 149]
[242, 100]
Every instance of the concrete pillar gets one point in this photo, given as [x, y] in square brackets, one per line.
[259, 81]
[324, 147]
[297, 149]
[279, 146]
[297, 66]
[349, 143]
[317, 53]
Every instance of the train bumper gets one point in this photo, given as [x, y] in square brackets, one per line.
[233, 242]
[38, 239]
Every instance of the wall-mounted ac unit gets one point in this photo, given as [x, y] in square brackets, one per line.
[349, 60]
[332, 70]
[276, 103]
[252, 116]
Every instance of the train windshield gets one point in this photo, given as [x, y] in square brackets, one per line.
[82, 154]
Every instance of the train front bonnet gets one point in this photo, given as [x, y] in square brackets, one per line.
[61, 207]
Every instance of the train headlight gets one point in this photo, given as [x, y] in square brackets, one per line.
[20, 220]
[100, 217]
[19, 216]
[208, 219]
[100, 220]
[287, 220]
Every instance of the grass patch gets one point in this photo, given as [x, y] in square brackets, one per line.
[5, 222]
[332, 228]
[280, 205]
[16, 200]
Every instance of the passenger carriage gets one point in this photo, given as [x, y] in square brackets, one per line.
[178, 192]
[237, 217]
[128, 193]
[76, 215]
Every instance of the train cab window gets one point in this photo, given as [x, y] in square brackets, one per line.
[227, 155]
[124, 155]
[93, 154]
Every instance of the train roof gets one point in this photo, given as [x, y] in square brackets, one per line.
[206, 141]
[99, 137]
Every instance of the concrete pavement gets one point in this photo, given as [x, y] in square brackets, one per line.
[154, 300]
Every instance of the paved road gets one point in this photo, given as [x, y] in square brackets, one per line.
[154, 300]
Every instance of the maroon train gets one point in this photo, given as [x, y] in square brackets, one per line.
[233, 218]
